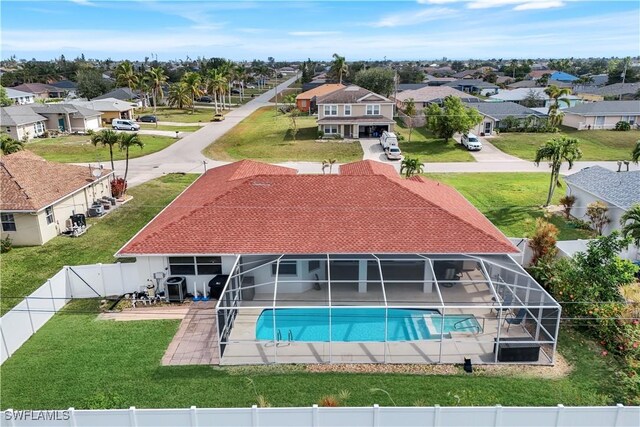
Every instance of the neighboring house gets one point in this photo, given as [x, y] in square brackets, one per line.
[20, 122]
[536, 94]
[561, 76]
[619, 91]
[68, 86]
[537, 74]
[121, 93]
[306, 101]
[20, 98]
[602, 115]
[41, 90]
[354, 112]
[494, 113]
[410, 86]
[437, 81]
[69, 118]
[618, 190]
[39, 196]
[428, 95]
[474, 86]
[536, 83]
[266, 238]
[110, 108]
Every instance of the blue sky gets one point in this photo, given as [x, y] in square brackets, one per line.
[292, 30]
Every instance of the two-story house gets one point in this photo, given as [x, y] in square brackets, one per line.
[354, 112]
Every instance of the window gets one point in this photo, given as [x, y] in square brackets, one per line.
[49, 213]
[373, 110]
[314, 265]
[330, 110]
[8, 222]
[182, 265]
[209, 264]
[38, 128]
[599, 120]
[303, 102]
[330, 129]
[347, 110]
[287, 268]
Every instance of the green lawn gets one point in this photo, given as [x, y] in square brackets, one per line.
[510, 200]
[25, 269]
[79, 149]
[283, 93]
[165, 114]
[151, 126]
[77, 361]
[430, 149]
[265, 136]
[595, 144]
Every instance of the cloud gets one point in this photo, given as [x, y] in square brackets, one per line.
[84, 3]
[414, 17]
[486, 4]
[313, 33]
[539, 5]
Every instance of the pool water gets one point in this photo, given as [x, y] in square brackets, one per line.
[352, 324]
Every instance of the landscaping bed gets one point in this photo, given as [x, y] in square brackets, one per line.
[266, 136]
[79, 149]
[595, 144]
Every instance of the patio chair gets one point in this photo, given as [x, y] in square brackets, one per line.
[507, 300]
[515, 319]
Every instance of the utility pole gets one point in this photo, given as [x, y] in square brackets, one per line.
[276, 74]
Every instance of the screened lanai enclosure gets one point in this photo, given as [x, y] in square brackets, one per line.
[374, 308]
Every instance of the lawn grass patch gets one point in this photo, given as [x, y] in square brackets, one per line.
[283, 93]
[512, 201]
[152, 126]
[76, 360]
[428, 148]
[25, 269]
[79, 149]
[165, 114]
[265, 136]
[596, 145]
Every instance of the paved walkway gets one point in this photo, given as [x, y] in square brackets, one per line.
[196, 342]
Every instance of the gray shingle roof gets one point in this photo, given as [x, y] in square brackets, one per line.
[615, 89]
[619, 188]
[606, 108]
[75, 110]
[480, 84]
[19, 115]
[500, 110]
[121, 93]
[12, 93]
[351, 95]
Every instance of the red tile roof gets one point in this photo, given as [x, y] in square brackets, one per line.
[367, 208]
[30, 183]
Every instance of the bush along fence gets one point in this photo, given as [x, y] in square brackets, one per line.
[85, 281]
[376, 416]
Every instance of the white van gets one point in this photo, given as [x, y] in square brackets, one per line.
[471, 142]
[122, 124]
[388, 139]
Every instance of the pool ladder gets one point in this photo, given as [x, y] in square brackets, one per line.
[478, 329]
[289, 337]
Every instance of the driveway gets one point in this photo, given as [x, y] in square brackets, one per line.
[490, 153]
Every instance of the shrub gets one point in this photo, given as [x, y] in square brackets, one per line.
[543, 240]
[320, 134]
[622, 126]
[118, 187]
[6, 244]
[580, 224]
[597, 214]
[567, 202]
[329, 401]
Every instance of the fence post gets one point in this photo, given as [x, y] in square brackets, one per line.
[254, 415]
[133, 421]
[104, 285]
[497, 422]
[121, 279]
[436, 416]
[33, 330]
[619, 409]
[559, 414]
[68, 284]
[72, 417]
[53, 300]
[194, 415]
[376, 415]
[314, 415]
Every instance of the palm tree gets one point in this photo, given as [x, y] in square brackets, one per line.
[106, 138]
[557, 151]
[179, 95]
[328, 163]
[241, 77]
[157, 79]
[411, 167]
[630, 222]
[226, 70]
[126, 75]
[126, 141]
[192, 81]
[635, 154]
[216, 84]
[9, 145]
[410, 111]
[340, 66]
[557, 95]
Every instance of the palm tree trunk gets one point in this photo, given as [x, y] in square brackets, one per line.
[552, 184]
[111, 157]
[215, 100]
[126, 164]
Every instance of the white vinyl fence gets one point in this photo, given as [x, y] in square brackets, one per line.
[85, 281]
[616, 416]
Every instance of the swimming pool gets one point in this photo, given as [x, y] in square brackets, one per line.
[353, 324]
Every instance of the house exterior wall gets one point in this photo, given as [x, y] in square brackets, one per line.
[589, 122]
[303, 105]
[480, 128]
[108, 116]
[386, 110]
[584, 198]
[52, 122]
[27, 230]
[30, 130]
[23, 100]
[82, 124]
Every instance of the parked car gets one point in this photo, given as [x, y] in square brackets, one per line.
[388, 139]
[218, 117]
[235, 91]
[393, 153]
[122, 124]
[250, 86]
[205, 99]
[471, 142]
[148, 119]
